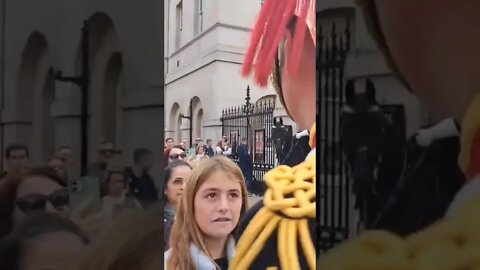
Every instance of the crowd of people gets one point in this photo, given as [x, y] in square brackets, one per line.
[48, 214]
[112, 219]
[199, 151]
[42, 229]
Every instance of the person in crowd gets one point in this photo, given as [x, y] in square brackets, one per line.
[65, 152]
[115, 198]
[209, 149]
[141, 183]
[228, 149]
[286, 33]
[198, 141]
[169, 143]
[106, 153]
[225, 142]
[43, 241]
[176, 174]
[219, 148]
[41, 190]
[245, 162]
[59, 165]
[17, 159]
[199, 156]
[184, 144]
[134, 241]
[177, 152]
[213, 201]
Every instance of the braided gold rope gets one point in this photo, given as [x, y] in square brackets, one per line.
[291, 192]
[448, 245]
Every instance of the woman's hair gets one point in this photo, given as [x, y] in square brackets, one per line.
[185, 230]
[169, 171]
[178, 146]
[202, 147]
[8, 194]
[8, 191]
[132, 241]
[46, 172]
[108, 179]
[166, 156]
[57, 158]
[12, 247]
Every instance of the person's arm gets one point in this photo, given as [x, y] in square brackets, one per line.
[228, 152]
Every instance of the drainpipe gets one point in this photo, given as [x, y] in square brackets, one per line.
[168, 36]
[2, 72]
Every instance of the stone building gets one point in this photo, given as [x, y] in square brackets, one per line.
[40, 38]
[205, 45]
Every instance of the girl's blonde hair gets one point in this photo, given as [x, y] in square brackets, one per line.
[185, 230]
[134, 240]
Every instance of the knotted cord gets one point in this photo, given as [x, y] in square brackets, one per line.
[448, 245]
[290, 200]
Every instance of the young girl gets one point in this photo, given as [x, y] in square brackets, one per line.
[213, 201]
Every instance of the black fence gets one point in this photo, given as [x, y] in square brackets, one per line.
[334, 201]
[254, 122]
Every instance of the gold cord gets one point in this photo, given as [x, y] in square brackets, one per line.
[292, 193]
[447, 245]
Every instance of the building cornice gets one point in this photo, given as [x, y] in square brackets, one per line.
[215, 26]
[217, 56]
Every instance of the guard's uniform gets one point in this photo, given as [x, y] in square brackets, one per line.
[280, 232]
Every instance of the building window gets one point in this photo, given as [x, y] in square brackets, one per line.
[179, 25]
[199, 17]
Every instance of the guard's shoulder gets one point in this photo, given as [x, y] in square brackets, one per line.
[249, 215]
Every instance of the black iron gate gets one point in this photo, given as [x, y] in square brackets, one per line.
[334, 202]
[254, 122]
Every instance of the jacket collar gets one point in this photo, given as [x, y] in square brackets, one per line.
[201, 260]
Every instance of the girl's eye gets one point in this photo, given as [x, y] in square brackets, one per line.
[211, 196]
[178, 182]
[234, 195]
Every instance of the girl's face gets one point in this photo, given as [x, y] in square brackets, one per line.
[218, 204]
[175, 184]
[435, 49]
[116, 185]
[53, 251]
